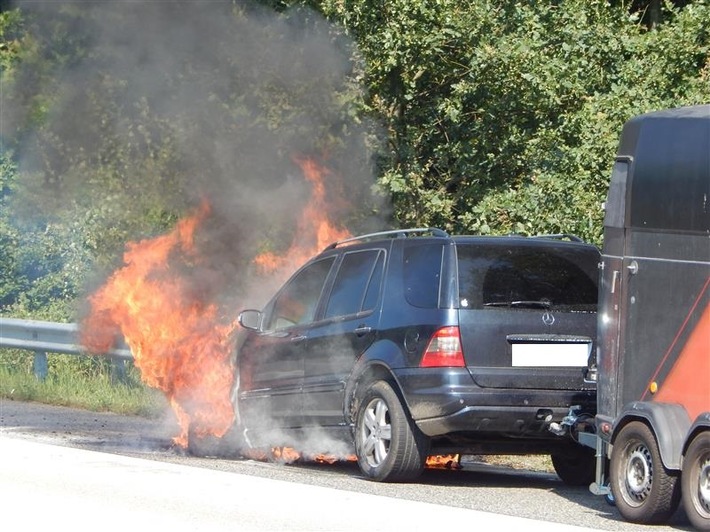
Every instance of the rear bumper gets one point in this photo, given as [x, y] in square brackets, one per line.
[446, 400]
[510, 421]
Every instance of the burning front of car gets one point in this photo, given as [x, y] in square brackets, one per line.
[181, 334]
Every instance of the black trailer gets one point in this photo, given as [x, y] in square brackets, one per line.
[653, 391]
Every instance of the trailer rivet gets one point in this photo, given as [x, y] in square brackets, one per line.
[653, 387]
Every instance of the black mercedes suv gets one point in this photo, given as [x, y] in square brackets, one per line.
[410, 343]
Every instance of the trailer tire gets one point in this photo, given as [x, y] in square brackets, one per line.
[695, 482]
[644, 490]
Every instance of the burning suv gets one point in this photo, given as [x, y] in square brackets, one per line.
[411, 343]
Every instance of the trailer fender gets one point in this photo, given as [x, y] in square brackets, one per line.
[701, 423]
[668, 422]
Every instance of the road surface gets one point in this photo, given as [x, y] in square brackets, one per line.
[132, 461]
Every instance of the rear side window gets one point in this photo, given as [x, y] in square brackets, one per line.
[357, 283]
[527, 277]
[422, 274]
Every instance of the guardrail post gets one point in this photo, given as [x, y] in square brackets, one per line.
[118, 370]
[40, 366]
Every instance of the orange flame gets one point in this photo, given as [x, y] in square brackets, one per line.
[180, 341]
[314, 230]
[444, 461]
[289, 455]
[176, 338]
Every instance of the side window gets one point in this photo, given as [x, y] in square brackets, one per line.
[615, 207]
[422, 274]
[357, 283]
[297, 302]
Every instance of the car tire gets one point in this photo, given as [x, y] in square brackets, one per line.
[388, 446]
[576, 466]
[644, 490]
[695, 481]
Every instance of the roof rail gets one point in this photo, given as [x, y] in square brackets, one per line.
[395, 233]
[561, 236]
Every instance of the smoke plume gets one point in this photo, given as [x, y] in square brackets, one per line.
[126, 116]
[160, 105]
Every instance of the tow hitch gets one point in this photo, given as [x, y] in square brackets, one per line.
[581, 428]
[577, 425]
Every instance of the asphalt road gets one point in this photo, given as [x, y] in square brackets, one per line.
[477, 487]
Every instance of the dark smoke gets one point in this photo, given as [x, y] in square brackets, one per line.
[195, 100]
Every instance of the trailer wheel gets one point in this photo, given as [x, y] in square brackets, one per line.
[695, 481]
[644, 490]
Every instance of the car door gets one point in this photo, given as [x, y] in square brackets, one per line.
[346, 329]
[271, 360]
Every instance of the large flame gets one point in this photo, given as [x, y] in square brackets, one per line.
[180, 340]
[314, 229]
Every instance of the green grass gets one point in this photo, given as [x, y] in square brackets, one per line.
[80, 382]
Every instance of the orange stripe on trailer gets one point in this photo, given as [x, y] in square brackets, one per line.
[688, 382]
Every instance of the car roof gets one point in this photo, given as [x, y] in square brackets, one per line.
[433, 234]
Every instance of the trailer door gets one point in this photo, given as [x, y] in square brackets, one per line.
[612, 300]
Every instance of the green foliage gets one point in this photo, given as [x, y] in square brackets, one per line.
[10, 39]
[504, 116]
[11, 278]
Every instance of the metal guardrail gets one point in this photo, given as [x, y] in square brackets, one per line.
[45, 337]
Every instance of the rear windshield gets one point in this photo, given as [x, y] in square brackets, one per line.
[493, 276]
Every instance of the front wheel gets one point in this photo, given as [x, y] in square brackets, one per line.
[695, 481]
[644, 490]
[389, 447]
[230, 445]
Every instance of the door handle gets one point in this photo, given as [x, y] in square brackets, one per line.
[298, 338]
[633, 267]
[362, 330]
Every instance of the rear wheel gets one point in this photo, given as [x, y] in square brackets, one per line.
[575, 466]
[389, 447]
[695, 481]
[644, 490]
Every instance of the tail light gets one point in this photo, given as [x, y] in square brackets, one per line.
[444, 350]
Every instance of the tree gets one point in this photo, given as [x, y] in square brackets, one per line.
[504, 116]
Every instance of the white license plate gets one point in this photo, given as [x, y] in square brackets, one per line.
[550, 354]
